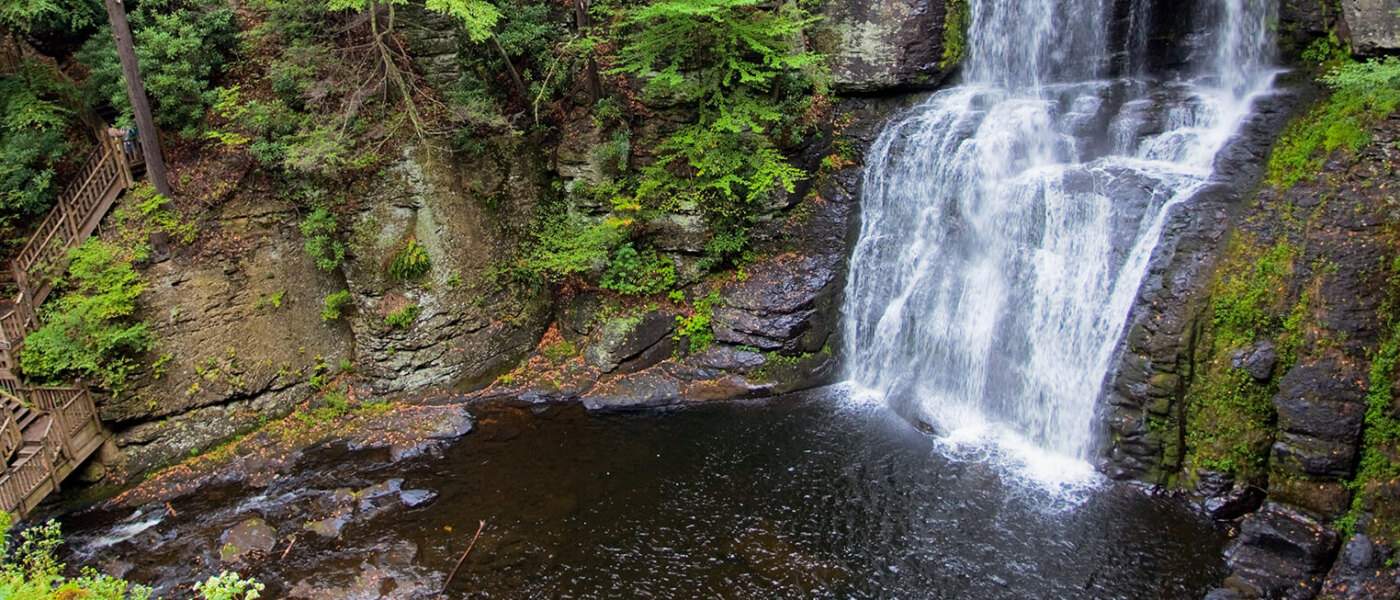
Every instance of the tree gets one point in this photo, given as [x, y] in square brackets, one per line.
[140, 103]
[478, 18]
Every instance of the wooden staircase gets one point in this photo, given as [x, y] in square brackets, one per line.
[47, 432]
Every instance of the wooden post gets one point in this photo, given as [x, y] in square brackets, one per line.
[140, 103]
[117, 142]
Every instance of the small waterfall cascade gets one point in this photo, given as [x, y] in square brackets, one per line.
[1007, 222]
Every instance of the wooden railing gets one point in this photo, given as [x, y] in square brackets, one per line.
[11, 438]
[22, 479]
[67, 433]
[75, 215]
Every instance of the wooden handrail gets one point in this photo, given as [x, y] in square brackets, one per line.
[72, 429]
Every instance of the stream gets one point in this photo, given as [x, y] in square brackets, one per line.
[816, 495]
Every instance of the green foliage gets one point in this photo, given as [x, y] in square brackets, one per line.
[410, 262]
[182, 46]
[1245, 299]
[89, 330]
[319, 122]
[477, 16]
[1230, 414]
[559, 352]
[697, 327]
[144, 212]
[275, 301]
[31, 571]
[635, 273]
[34, 122]
[955, 23]
[740, 65]
[36, 16]
[565, 245]
[402, 318]
[228, 585]
[319, 228]
[1362, 94]
[613, 154]
[335, 305]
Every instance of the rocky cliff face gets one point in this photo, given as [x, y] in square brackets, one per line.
[238, 316]
[1252, 354]
[1373, 26]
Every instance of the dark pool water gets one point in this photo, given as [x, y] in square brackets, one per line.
[801, 497]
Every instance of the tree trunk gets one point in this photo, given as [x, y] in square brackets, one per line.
[592, 85]
[514, 75]
[140, 104]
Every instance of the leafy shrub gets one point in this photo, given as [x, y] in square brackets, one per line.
[742, 67]
[319, 227]
[182, 45]
[411, 262]
[31, 571]
[229, 585]
[33, 138]
[565, 245]
[697, 329]
[1362, 93]
[402, 318]
[88, 331]
[335, 305]
[638, 273]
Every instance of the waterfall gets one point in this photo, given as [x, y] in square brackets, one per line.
[1007, 222]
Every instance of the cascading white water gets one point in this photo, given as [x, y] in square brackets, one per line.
[1007, 222]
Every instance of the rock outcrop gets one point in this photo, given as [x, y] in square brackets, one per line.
[238, 336]
[1373, 26]
[464, 327]
[885, 45]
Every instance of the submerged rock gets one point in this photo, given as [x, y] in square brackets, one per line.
[251, 536]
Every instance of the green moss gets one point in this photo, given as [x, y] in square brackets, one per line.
[955, 23]
[1230, 415]
[1362, 94]
[1382, 429]
[559, 352]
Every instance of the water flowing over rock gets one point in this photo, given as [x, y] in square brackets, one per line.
[1008, 222]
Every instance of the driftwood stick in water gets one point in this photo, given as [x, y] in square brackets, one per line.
[464, 557]
[293, 542]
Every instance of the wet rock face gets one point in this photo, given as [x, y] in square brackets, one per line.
[1365, 569]
[465, 327]
[1280, 553]
[237, 333]
[884, 45]
[1373, 24]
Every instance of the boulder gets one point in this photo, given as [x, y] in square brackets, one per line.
[883, 45]
[1374, 26]
[1259, 361]
[621, 340]
[1280, 553]
[246, 538]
